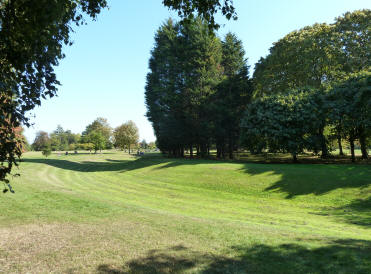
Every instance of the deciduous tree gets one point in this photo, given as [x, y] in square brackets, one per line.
[126, 135]
[41, 140]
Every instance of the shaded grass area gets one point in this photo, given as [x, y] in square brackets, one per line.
[351, 256]
[304, 158]
[115, 213]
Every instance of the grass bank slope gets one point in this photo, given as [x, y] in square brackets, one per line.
[115, 213]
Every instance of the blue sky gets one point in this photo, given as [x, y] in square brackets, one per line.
[103, 74]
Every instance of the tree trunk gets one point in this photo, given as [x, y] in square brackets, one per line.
[230, 148]
[129, 149]
[362, 141]
[191, 150]
[203, 150]
[323, 144]
[294, 157]
[341, 153]
[351, 141]
[218, 152]
[198, 149]
[223, 151]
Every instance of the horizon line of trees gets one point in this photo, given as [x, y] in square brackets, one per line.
[97, 136]
[312, 88]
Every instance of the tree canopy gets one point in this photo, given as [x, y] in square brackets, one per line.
[316, 55]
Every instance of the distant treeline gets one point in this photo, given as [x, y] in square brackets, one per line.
[312, 90]
[97, 136]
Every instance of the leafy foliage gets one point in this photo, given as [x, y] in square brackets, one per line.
[353, 29]
[316, 55]
[281, 122]
[205, 9]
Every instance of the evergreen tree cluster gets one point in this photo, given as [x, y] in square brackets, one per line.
[197, 89]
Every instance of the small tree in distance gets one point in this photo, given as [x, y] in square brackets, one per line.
[46, 151]
[126, 135]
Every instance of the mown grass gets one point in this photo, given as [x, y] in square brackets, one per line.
[115, 213]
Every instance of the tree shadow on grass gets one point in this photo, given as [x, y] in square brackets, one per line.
[91, 166]
[84, 166]
[358, 212]
[110, 164]
[296, 180]
[341, 256]
[186, 161]
[71, 153]
[316, 179]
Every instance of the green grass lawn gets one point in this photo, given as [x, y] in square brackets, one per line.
[115, 213]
